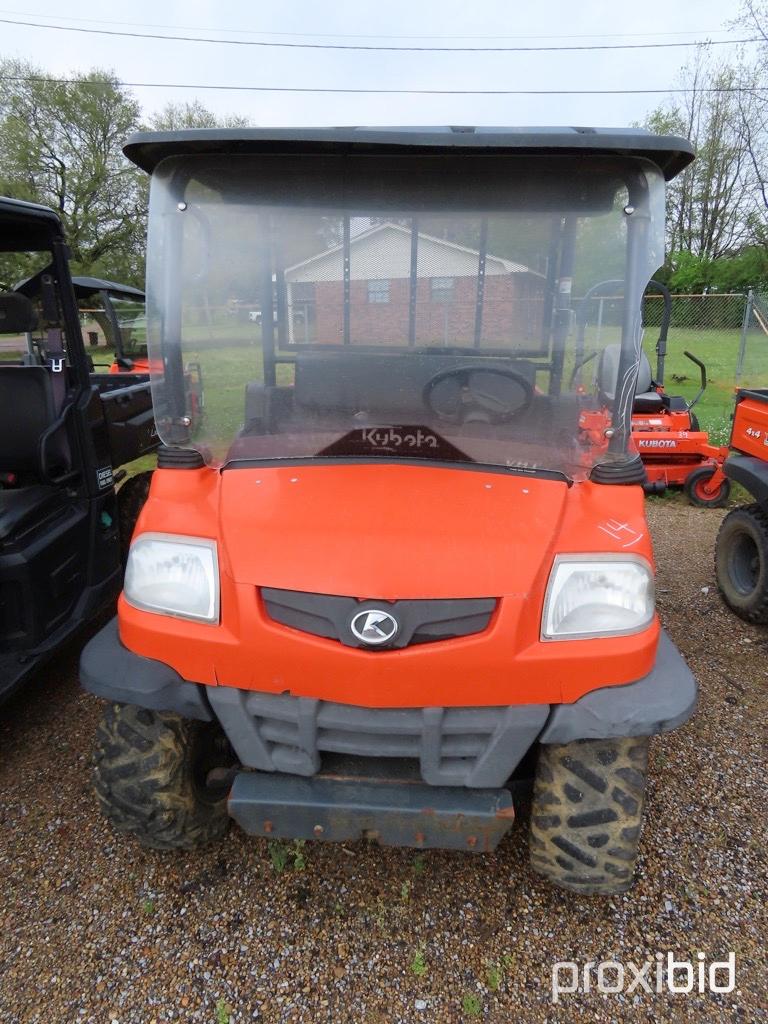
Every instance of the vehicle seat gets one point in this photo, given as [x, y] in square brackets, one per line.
[17, 314]
[379, 383]
[646, 399]
[27, 410]
[20, 507]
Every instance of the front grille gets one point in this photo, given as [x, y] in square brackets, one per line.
[419, 622]
[476, 747]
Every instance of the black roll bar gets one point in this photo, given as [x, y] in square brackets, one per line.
[481, 261]
[414, 283]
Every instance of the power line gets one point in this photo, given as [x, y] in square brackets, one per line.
[381, 92]
[361, 35]
[379, 47]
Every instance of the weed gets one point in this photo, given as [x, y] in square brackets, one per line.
[405, 891]
[471, 1005]
[148, 906]
[299, 860]
[278, 855]
[494, 975]
[381, 911]
[419, 963]
[222, 1012]
[419, 863]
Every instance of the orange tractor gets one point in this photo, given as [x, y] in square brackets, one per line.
[389, 577]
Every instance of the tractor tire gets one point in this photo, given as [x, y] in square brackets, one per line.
[151, 770]
[587, 813]
[130, 501]
[695, 493]
[741, 562]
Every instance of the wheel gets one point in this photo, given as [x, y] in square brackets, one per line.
[162, 778]
[587, 813]
[696, 492]
[130, 501]
[741, 562]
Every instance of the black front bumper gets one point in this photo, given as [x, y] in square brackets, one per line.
[473, 747]
[385, 805]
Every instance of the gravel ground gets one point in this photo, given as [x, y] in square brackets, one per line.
[94, 929]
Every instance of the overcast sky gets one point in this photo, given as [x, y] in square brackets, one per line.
[424, 22]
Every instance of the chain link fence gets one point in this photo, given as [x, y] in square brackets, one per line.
[752, 362]
[728, 331]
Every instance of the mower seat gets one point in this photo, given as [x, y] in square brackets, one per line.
[648, 402]
[645, 399]
[21, 507]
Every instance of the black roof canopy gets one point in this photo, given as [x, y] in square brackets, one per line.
[27, 227]
[670, 153]
[86, 286]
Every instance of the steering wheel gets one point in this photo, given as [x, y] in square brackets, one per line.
[491, 394]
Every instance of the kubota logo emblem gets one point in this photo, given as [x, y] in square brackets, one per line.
[374, 626]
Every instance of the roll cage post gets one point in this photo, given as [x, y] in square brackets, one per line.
[562, 303]
[267, 302]
[114, 326]
[346, 271]
[78, 360]
[414, 281]
[638, 216]
[171, 328]
[481, 261]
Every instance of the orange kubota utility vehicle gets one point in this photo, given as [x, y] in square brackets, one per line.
[389, 574]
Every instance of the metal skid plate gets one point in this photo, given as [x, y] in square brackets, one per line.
[392, 812]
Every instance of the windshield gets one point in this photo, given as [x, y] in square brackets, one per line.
[132, 324]
[443, 308]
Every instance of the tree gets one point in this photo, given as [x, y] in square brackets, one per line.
[175, 116]
[753, 110]
[60, 144]
[709, 205]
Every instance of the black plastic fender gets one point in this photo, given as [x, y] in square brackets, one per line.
[751, 473]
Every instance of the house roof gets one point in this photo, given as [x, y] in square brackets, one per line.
[384, 252]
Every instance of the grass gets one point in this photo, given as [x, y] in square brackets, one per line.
[418, 962]
[472, 1005]
[229, 364]
[718, 350]
[226, 369]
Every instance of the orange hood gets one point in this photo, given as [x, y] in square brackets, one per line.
[388, 531]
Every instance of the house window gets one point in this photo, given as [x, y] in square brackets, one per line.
[378, 291]
[442, 289]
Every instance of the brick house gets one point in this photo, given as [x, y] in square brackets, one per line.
[380, 286]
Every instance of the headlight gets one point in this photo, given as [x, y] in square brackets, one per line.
[597, 596]
[173, 575]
